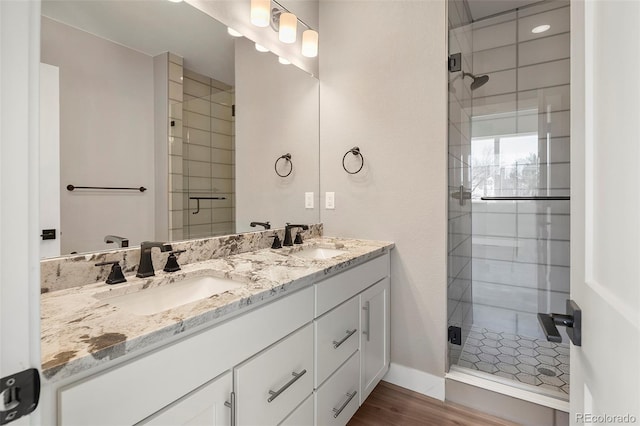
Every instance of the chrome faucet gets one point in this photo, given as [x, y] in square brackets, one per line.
[120, 241]
[287, 234]
[145, 267]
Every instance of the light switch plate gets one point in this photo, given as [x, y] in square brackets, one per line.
[308, 200]
[330, 200]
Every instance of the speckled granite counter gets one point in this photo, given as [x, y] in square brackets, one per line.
[81, 330]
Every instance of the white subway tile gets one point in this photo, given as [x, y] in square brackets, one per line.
[221, 126]
[198, 105]
[175, 91]
[221, 141]
[543, 50]
[198, 168]
[521, 274]
[192, 75]
[552, 226]
[494, 224]
[203, 216]
[494, 36]
[554, 73]
[194, 120]
[197, 152]
[558, 19]
[199, 183]
[221, 171]
[498, 59]
[521, 250]
[499, 82]
[175, 72]
[221, 156]
[195, 88]
[551, 98]
[494, 127]
[197, 137]
[556, 124]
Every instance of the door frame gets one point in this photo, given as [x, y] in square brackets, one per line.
[19, 209]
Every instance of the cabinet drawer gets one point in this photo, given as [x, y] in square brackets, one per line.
[337, 399]
[337, 337]
[272, 384]
[335, 290]
[302, 416]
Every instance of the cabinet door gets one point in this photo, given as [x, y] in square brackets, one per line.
[374, 339]
[204, 406]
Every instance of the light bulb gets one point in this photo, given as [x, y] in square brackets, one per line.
[260, 12]
[310, 43]
[288, 27]
[261, 48]
[233, 32]
[283, 61]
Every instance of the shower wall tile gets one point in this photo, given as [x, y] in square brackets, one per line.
[554, 73]
[549, 99]
[175, 72]
[521, 250]
[492, 60]
[543, 50]
[494, 36]
[521, 225]
[175, 91]
[556, 124]
[531, 17]
[490, 105]
[521, 274]
[499, 82]
[521, 299]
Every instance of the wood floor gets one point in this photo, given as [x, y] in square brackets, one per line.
[392, 405]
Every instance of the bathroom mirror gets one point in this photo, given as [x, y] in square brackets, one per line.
[157, 95]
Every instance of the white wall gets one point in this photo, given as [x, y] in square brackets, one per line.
[384, 88]
[276, 113]
[106, 137]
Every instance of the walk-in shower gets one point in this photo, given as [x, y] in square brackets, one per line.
[509, 193]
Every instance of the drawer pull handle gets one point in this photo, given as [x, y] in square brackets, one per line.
[366, 308]
[232, 406]
[337, 411]
[277, 393]
[336, 345]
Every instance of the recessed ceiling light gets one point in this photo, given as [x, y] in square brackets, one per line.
[233, 32]
[261, 48]
[283, 61]
[540, 29]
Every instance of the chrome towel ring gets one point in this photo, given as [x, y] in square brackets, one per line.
[287, 158]
[355, 151]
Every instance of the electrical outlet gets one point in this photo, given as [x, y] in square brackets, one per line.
[330, 200]
[308, 200]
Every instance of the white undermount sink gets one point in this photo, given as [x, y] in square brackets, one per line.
[318, 253]
[157, 299]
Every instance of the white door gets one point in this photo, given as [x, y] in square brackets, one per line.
[19, 234]
[605, 210]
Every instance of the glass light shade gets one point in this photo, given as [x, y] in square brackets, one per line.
[175, 1]
[310, 43]
[233, 32]
[283, 61]
[288, 27]
[260, 12]
[261, 48]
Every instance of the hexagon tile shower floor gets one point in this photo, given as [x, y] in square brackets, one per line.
[525, 359]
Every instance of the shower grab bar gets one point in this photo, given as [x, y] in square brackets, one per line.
[72, 187]
[529, 198]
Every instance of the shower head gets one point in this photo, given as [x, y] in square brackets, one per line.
[478, 81]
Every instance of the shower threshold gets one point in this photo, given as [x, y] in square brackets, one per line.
[529, 363]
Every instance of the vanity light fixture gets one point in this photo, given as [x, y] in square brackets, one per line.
[288, 28]
[175, 1]
[310, 43]
[260, 12]
[233, 32]
[261, 48]
[540, 29]
[283, 61]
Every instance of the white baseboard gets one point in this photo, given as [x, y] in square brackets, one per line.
[416, 380]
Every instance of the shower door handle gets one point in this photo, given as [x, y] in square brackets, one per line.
[572, 320]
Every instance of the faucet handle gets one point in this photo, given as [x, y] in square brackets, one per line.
[172, 261]
[277, 244]
[115, 276]
[298, 239]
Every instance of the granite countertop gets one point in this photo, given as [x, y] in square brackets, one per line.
[81, 330]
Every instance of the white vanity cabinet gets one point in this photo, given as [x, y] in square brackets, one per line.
[309, 358]
[210, 404]
[374, 339]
